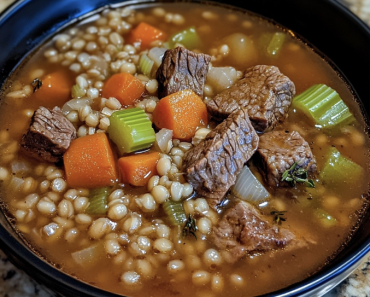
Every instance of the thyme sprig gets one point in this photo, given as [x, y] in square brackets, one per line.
[36, 83]
[278, 216]
[190, 227]
[296, 174]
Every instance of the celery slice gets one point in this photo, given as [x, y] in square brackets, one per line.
[325, 218]
[77, 92]
[175, 212]
[188, 38]
[324, 106]
[98, 201]
[275, 44]
[339, 171]
[131, 130]
[146, 65]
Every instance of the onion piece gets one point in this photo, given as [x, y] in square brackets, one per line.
[242, 49]
[75, 104]
[162, 137]
[89, 255]
[221, 78]
[16, 183]
[156, 54]
[247, 187]
[20, 167]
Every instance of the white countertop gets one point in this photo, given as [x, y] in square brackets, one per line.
[15, 283]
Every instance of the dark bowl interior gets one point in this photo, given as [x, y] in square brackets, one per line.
[325, 24]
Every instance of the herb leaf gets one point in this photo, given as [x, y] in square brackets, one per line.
[190, 227]
[36, 83]
[296, 174]
[278, 216]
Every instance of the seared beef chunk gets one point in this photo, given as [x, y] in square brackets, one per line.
[182, 69]
[48, 136]
[264, 91]
[277, 152]
[244, 230]
[212, 166]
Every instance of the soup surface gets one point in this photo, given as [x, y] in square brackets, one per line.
[132, 220]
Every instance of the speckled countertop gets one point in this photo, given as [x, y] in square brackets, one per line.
[15, 283]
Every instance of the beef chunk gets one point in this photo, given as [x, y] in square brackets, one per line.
[264, 91]
[277, 152]
[211, 167]
[48, 136]
[182, 69]
[244, 230]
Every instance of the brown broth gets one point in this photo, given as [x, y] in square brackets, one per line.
[261, 273]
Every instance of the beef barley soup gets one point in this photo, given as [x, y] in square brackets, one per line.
[176, 150]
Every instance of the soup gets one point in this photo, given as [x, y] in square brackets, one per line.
[182, 149]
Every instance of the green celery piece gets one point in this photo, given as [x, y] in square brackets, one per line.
[146, 65]
[77, 92]
[131, 130]
[324, 106]
[188, 38]
[339, 171]
[325, 218]
[98, 201]
[275, 44]
[175, 212]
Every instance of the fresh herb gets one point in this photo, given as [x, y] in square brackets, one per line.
[296, 174]
[190, 227]
[278, 216]
[36, 83]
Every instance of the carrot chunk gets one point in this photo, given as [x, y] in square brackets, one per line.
[55, 89]
[138, 169]
[124, 87]
[146, 34]
[89, 162]
[182, 112]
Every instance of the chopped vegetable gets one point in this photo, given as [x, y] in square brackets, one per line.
[138, 169]
[325, 218]
[175, 212]
[77, 91]
[76, 104]
[124, 87]
[242, 49]
[145, 34]
[182, 112]
[162, 138]
[36, 83]
[296, 174]
[247, 187]
[89, 162]
[340, 171]
[89, 255]
[278, 216]
[146, 65]
[324, 106]
[55, 89]
[131, 130]
[156, 54]
[190, 227]
[272, 43]
[98, 199]
[221, 78]
[188, 38]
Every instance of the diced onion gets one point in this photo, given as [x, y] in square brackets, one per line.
[16, 183]
[242, 49]
[156, 54]
[221, 78]
[75, 104]
[162, 137]
[20, 167]
[248, 187]
[89, 255]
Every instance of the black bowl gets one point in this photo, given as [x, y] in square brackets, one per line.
[326, 24]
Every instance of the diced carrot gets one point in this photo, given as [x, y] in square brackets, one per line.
[182, 112]
[55, 89]
[124, 87]
[89, 162]
[146, 34]
[138, 169]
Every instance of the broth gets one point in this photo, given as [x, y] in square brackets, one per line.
[182, 270]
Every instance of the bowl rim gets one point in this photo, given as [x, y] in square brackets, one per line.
[24, 255]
